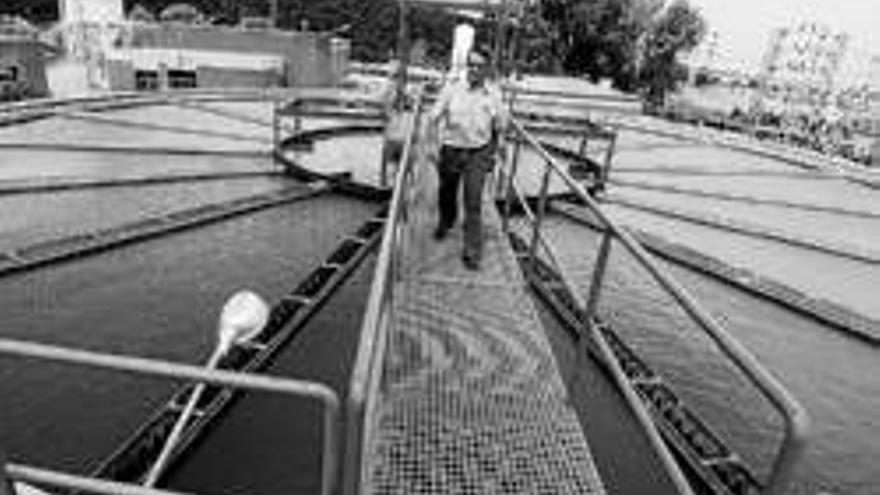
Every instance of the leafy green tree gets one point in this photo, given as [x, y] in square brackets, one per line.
[678, 30]
[601, 38]
[538, 44]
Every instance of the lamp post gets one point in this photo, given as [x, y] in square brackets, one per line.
[402, 54]
[273, 13]
[243, 317]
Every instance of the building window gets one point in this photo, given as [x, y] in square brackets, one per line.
[182, 79]
[146, 80]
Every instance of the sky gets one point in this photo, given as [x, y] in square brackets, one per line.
[744, 26]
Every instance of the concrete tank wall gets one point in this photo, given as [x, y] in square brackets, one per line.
[26, 54]
[310, 58]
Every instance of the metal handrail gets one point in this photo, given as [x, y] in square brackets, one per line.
[795, 416]
[366, 373]
[58, 479]
[166, 369]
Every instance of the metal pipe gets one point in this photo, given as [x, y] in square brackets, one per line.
[797, 420]
[276, 123]
[508, 206]
[609, 155]
[669, 462]
[40, 476]
[599, 267]
[6, 486]
[531, 217]
[167, 369]
[585, 141]
[171, 440]
[542, 210]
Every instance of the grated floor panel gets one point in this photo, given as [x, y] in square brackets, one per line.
[471, 399]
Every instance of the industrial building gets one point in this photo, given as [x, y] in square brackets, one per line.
[22, 62]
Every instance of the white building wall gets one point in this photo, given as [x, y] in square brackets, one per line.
[874, 74]
[91, 11]
[800, 66]
[463, 41]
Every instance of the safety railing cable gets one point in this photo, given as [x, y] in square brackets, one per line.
[795, 417]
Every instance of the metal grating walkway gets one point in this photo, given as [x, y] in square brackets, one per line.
[471, 399]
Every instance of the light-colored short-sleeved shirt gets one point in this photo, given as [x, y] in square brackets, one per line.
[467, 115]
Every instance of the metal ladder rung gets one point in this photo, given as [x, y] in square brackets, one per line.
[719, 460]
[255, 346]
[296, 298]
[177, 407]
[654, 380]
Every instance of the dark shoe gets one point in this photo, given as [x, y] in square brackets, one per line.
[470, 263]
[440, 233]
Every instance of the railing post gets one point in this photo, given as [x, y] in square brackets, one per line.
[598, 274]
[539, 214]
[585, 141]
[790, 451]
[6, 486]
[330, 458]
[351, 465]
[508, 194]
[609, 156]
[275, 125]
[499, 176]
[383, 167]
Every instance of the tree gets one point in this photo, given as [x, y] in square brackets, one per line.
[182, 13]
[600, 38]
[538, 43]
[140, 14]
[678, 30]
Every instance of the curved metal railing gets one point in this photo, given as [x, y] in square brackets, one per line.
[795, 417]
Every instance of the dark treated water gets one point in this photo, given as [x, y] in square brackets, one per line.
[157, 299]
[834, 376]
[160, 299]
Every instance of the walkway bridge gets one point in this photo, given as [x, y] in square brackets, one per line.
[455, 387]
[469, 398]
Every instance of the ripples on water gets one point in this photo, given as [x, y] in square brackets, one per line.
[835, 376]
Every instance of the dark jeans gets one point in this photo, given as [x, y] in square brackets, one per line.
[472, 164]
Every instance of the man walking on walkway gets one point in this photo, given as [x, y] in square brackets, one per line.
[470, 119]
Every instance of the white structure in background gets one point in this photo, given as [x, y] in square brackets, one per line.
[705, 55]
[89, 29]
[93, 11]
[800, 66]
[463, 41]
[874, 74]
